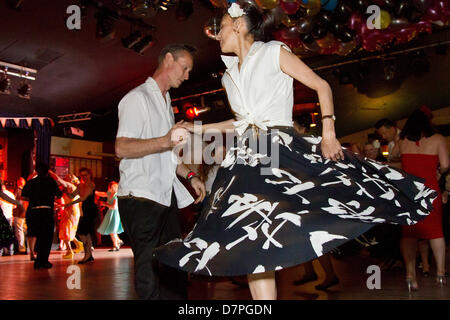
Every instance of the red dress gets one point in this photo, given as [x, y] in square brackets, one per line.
[425, 166]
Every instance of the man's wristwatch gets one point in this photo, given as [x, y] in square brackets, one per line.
[332, 116]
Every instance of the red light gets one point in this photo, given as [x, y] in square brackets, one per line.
[192, 112]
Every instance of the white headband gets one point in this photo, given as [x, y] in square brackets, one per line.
[235, 11]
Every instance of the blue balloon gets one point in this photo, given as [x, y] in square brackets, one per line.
[329, 5]
[231, 1]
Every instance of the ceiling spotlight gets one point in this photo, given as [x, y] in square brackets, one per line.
[184, 10]
[5, 83]
[144, 44]
[132, 39]
[24, 91]
[105, 26]
[144, 9]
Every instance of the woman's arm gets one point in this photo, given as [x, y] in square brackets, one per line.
[101, 194]
[444, 161]
[218, 126]
[60, 181]
[10, 200]
[84, 192]
[294, 67]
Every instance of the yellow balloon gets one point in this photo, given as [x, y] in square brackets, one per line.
[267, 4]
[385, 19]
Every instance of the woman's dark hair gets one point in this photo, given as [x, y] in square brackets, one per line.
[417, 126]
[259, 25]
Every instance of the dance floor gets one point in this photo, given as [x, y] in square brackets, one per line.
[110, 277]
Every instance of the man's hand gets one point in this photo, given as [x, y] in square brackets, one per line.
[177, 135]
[199, 188]
[196, 129]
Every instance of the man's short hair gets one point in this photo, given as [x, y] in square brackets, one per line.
[41, 168]
[385, 122]
[175, 49]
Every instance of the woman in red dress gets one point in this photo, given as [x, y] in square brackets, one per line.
[423, 153]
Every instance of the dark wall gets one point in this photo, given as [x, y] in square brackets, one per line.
[20, 146]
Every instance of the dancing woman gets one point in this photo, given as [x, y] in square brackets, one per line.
[312, 196]
[111, 223]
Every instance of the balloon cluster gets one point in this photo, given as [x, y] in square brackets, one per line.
[342, 26]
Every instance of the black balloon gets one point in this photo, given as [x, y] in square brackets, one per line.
[362, 5]
[305, 25]
[389, 4]
[399, 23]
[336, 28]
[343, 12]
[307, 38]
[414, 15]
[403, 8]
[319, 32]
[325, 18]
[345, 35]
[422, 5]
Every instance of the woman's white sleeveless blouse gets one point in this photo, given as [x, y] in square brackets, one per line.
[260, 93]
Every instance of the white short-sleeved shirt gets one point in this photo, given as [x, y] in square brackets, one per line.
[144, 114]
[260, 93]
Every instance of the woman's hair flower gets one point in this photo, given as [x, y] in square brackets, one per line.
[235, 11]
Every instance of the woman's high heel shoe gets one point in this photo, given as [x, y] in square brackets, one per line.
[441, 281]
[412, 285]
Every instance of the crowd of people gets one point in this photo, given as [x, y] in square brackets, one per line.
[46, 207]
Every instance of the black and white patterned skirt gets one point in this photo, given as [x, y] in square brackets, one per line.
[282, 205]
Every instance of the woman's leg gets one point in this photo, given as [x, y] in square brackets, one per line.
[263, 286]
[423, 249]
[115, 240]
[408, 247]
[31, 245]
[330, 275]
[438, 247]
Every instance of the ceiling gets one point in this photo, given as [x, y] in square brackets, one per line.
[78, 72]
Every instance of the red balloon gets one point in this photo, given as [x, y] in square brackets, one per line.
[355, 21]
[290, 36]
[289, 7]
[406, 34]
[423, 26]
[385, 37]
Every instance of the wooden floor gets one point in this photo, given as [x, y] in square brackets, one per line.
[110, 277]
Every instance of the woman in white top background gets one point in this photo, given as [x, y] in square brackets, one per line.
[280, 199]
